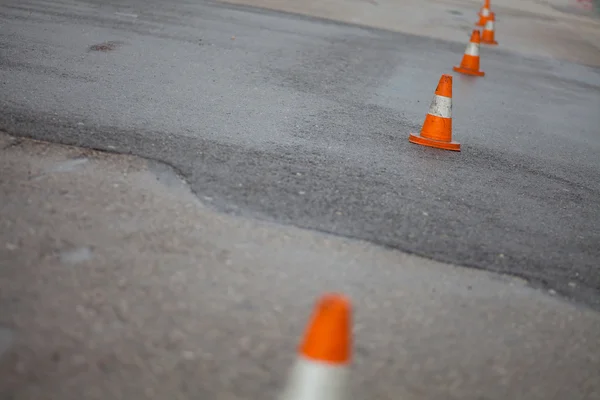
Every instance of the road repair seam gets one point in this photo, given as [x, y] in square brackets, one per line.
[166, 173]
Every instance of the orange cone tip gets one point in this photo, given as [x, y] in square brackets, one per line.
[321, 369]
[327, 338]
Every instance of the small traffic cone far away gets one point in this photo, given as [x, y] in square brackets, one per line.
[470, 62]
[488, 32]
[324, 355]
[484, 15]
[486, 4]
[437, 128]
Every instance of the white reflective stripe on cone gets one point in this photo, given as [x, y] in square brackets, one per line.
[441, 106]
[489, 26]
[472, 49]
[310, 380]
[485, 12]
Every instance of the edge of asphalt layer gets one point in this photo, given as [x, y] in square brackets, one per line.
[170, 174]
[171, 177]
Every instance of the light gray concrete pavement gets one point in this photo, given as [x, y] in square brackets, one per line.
[116, 282]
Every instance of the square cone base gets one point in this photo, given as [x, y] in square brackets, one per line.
[433, 143]
[494, 43]
[467, 71]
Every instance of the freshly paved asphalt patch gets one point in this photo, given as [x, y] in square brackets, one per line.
[305, 122]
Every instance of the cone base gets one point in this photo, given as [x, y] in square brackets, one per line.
[494, 43]
[434, 143]
[468, 71]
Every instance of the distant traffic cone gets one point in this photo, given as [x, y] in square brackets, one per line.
[437, 128]
[321, 370]
[488, 32]
[486, 4]
[470, 62]
[484, 15]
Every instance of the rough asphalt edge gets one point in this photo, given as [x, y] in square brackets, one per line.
[17, 122]
[164, 171]
[171, 176]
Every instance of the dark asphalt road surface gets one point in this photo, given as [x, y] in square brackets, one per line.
[306, 122]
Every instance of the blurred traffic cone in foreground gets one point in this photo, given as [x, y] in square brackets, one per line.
[324, 355]
[488, 32]
[437, 128]
[470, 62]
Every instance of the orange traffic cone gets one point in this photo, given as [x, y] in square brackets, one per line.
[324, 356]
[437, 128]
[470, 62]
[486, 4]
[484, 15]
[488, 32]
